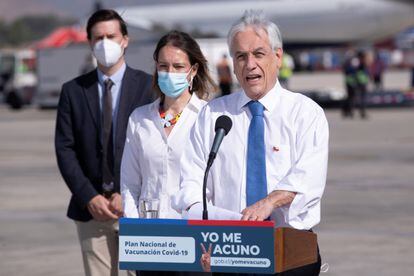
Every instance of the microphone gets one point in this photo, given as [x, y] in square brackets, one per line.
[222, 127]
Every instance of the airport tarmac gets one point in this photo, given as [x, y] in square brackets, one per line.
[367, 225]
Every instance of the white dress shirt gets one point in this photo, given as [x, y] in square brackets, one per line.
[296, 146]
[150, 165]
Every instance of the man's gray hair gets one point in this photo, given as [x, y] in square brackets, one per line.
[258, 21]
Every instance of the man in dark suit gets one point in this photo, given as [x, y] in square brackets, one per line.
[91, 126]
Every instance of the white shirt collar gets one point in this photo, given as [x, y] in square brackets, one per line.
[269, 100]
[194, 104]
[116, 78]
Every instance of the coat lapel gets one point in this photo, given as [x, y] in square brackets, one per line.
[126, 99]
[92, 96]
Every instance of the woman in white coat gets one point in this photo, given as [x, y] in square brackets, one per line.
[157, 133]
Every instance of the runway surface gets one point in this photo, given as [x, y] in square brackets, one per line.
[367, 225]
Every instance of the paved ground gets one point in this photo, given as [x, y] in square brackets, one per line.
[367, 223]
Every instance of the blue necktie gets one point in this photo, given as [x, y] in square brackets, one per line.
[256, 184]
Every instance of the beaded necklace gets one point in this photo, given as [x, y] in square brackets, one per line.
[168, 120]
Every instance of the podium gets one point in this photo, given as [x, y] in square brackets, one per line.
[231, 246]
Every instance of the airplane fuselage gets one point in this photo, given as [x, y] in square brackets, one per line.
[300, 21]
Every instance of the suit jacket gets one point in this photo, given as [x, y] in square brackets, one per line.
[78, 140]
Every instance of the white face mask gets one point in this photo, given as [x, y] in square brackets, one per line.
[107, 52]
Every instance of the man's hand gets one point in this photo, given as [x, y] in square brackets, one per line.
[262, 209]
[115, 205]
[258, 211]
[99, 209]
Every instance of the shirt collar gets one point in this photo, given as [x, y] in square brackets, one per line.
[269, 101]
[116, 78]
[195, 103]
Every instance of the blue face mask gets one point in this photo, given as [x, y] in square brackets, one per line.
[173, 84]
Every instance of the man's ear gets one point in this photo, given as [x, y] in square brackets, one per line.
[279, 56]
[90, 44]
[126, 41]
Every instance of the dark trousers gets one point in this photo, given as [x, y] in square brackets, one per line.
[356, 95]
[362, 97]
[349, 102]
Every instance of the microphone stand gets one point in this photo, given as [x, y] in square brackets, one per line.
[209, 163]
[222, 127]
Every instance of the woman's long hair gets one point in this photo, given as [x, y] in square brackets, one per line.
[203, 84]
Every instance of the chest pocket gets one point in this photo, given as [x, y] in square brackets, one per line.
[279, 162]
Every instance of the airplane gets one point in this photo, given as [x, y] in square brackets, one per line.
[302, 22]
[319, 22]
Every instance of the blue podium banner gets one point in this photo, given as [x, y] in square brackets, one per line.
[196, 245]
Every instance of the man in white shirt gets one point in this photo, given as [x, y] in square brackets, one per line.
[292, 147]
